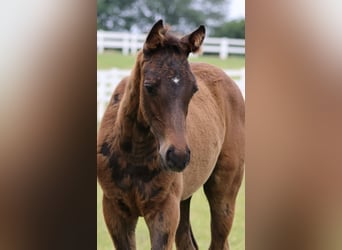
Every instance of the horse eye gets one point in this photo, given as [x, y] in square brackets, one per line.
[149, 88]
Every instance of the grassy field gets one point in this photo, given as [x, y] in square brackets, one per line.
[200, 220]
[200, 216]
[115, 59]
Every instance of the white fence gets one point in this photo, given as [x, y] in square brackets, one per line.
[108, 79]
[131, 43]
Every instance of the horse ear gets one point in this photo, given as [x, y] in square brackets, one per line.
[156, 36]
[195, 39]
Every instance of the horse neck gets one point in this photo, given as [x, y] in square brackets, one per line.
[132, 133]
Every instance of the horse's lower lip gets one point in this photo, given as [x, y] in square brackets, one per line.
[167, 167]
[176, 168]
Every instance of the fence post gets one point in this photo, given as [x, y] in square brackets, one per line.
[224, 48]
[100, 41]
[126, 42]
[243, 75]
[134, 43]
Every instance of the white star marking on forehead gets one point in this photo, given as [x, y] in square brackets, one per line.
[175, 80]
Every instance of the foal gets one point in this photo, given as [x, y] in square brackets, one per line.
[169, 129]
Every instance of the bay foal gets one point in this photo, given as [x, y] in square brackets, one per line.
[170, 128]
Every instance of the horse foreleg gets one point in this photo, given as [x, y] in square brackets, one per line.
[163, 223]
[122, 230]
[184, 237]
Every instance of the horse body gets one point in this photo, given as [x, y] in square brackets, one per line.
[150, 163]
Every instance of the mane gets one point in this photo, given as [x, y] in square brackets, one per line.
[128, 113]
[130, 100]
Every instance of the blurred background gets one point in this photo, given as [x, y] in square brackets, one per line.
[221, 17]
[293, 124]
[122, 26]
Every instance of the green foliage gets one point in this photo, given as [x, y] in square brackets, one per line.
[130, 15]
[115, 14]
[232, 29]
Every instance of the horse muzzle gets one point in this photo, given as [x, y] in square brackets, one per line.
[175, 159]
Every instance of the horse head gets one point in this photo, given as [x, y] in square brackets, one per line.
[166, 88]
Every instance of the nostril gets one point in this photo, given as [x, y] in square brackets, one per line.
[177, 159]
[170, 153]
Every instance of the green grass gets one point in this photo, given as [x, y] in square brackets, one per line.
[200, 220]
[115, 59]
[200, 216]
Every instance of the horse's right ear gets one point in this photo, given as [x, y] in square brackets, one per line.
[195, 39]
[155, 37]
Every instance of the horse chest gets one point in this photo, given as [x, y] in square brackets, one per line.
[139, 188]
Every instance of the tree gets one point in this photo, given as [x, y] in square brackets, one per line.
[115, 14]
[232, 29]
[183, 15]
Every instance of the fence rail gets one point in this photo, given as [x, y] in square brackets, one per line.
[131, 43]
[108, 79]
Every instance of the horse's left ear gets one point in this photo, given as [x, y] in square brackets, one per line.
[156, 36]
[195, 39]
